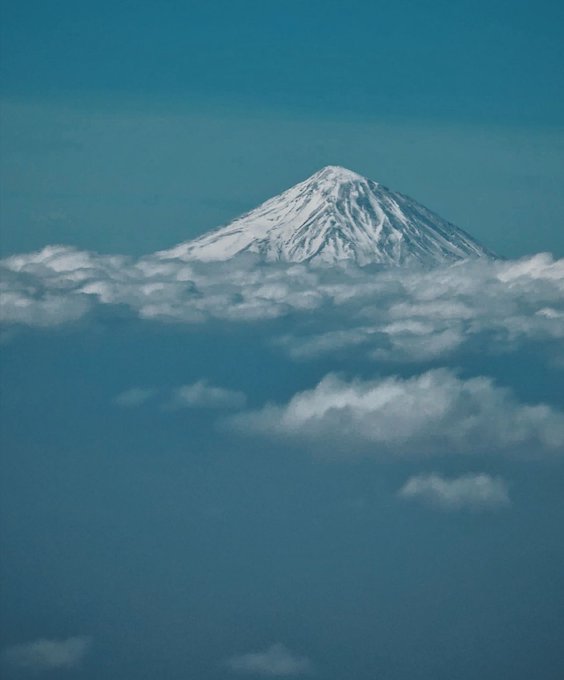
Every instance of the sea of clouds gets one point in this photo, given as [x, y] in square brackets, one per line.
[409, 314]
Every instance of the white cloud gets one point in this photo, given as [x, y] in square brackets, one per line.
[276, 661]
[203, 395]
[408, 314]
[473, 491]
[41, 309]
[435, 412]
[45, 655]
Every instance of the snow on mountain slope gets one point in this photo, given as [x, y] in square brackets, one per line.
[336, 215]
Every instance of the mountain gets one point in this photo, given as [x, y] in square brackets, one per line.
[336, 215]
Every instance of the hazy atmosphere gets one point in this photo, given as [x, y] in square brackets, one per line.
[327, 440]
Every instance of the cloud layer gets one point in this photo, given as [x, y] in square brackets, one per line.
[46, 655]
[407, 314]
[435, 412]
[472, 491]
[276, 661]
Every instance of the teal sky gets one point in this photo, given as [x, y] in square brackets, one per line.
[131, 128]
[223, 471]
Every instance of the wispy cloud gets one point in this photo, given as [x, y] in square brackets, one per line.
[471, 491]
[47, 655]
[435, 412]
[202, 394]
[276, 661]
[134, 396]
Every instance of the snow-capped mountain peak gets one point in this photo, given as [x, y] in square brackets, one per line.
[336, 174]
[336, 214]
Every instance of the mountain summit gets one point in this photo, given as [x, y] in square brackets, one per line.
[336, 215]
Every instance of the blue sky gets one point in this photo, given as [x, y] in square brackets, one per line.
[463, 61]
[135, 126]
[234, 470]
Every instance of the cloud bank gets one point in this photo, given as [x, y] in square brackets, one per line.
[276, 661]
[409, 314]
[47, 655]
[472, 491]
[435, 412]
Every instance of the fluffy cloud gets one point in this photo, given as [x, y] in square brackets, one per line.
[473, 491]
[276, 661]
[401, 314]
[203, 395]
[435, 412]
[46, 655]
[29, 303]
